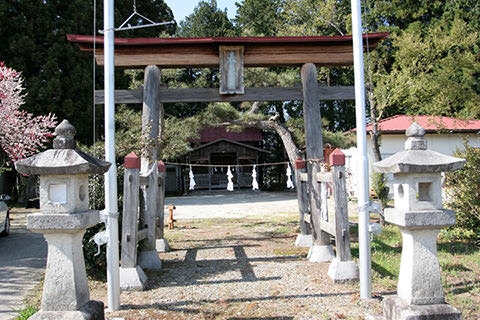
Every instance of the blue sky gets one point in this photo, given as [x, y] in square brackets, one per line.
[183, 8]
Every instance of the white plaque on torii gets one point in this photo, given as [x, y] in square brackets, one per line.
[231, 70]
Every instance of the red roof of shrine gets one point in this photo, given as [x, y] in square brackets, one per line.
[400, 123]
[216, 133]
[222, 40]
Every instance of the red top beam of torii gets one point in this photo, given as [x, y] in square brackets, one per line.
[204, 52]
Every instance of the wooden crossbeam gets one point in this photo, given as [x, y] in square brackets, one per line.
[204, 52]
[212, 95]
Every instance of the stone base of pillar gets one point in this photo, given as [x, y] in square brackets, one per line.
[132, 279]
[92, 310]
[162, 245]
[395, 309]
[304, 240]
[149, 260]
[343, 271]
[321, 254]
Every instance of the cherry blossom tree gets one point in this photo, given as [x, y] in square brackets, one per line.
[21, 133]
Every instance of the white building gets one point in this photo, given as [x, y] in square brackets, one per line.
[443, 134]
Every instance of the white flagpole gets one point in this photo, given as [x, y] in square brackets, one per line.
[111, 206]
[363, 196]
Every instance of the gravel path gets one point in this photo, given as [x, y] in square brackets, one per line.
[236, 204]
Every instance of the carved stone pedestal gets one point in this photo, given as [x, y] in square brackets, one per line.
[396, 309]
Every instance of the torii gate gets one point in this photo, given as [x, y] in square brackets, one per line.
[232, 55]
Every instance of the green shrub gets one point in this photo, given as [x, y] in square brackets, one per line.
[463, 193]
[381, 191]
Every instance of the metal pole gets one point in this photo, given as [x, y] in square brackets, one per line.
[111, 206]
[363, 196]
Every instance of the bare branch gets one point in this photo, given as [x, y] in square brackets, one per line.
[255, 107]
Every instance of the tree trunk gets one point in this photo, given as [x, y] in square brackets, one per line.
[375, 134]
[291, 148]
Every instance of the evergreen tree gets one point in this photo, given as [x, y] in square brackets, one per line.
[58, 77]
[207, 20]
[258, 17]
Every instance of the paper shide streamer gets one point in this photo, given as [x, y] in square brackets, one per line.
[229, 177]
[254, 178]
[289, 177]
[192, 179]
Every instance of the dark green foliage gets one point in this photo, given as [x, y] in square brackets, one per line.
[258, 17]
[381, 192]
[96, 265]
[207, 21]
[430, 61]
[463, 193]
[380, 188]
[58, 77]
[127, 139]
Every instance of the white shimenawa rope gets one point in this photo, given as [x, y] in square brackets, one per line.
[192, 179]
[289, 177]
[229, 177]
[254, 176]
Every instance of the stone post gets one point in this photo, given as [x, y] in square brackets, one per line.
[161, 243]
[419, 214]
[63, 218]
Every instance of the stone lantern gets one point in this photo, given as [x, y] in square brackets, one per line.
[63, 218]
[419, 214]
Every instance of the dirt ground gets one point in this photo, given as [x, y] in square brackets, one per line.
[233, 257]
[241, 266]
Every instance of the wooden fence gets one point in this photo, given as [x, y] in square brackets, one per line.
[333, 219]
[142, 219]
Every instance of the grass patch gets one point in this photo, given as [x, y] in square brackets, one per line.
[27, 312]
[172, 235]
[283, 230]
[215, 221]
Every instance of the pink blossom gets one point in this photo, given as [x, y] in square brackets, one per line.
[21, 133]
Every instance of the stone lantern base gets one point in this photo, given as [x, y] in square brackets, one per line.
[395, 309]
[92, 310]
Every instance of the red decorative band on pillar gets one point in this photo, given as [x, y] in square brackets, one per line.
[299, 163]
[132, 161]
[161, 166]
[337, 158]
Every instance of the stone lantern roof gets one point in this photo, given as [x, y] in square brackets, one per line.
[416, 158]
[63, 158]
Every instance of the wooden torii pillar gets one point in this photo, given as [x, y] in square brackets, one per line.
[153, 193]
[321, 250]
